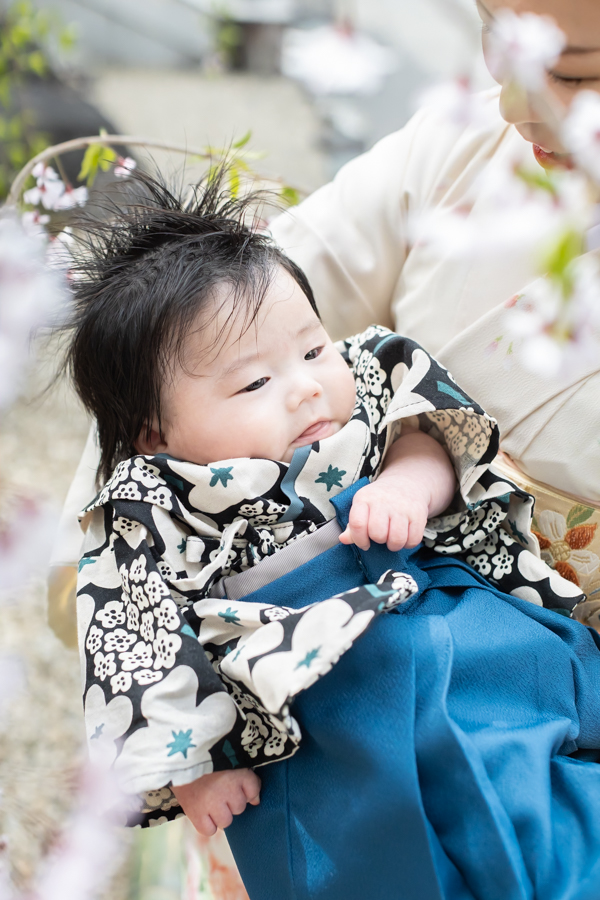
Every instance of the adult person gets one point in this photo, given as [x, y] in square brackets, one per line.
[351, 238]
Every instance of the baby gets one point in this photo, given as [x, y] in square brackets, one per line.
[198, 347]
[264, 391]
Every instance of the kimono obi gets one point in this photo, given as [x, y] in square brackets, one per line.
[567, 530]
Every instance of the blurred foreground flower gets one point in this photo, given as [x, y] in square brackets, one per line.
[89, 848]
[556, 320]
[31, 296]
[510, 208]
[458, 104]
[522, 48]
[26, 523]
[581, 132]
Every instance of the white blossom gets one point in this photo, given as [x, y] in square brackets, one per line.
[125, 166]
[32, 524]
[506, 213]
[522, 48]
[30, 297]
[48, 189]
[581, 131]
[71, 197]
[557, 335]
[458, 104]
[90, 847]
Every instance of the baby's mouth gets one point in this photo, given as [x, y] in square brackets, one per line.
[315, 432]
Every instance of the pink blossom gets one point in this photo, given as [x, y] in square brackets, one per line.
[522, 48]
[125, 166]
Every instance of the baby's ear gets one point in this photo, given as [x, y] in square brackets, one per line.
[150, 442]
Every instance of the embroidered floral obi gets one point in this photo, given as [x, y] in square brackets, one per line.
[567, 530]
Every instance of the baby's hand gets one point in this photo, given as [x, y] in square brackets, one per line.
[213, 800]
[417, 481]
[387, 513]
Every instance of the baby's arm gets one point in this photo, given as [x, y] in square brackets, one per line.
[213, 800]
[417, 481]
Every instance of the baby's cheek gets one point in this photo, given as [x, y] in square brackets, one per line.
[346, 395]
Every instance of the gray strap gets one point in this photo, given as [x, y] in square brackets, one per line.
[301, 551]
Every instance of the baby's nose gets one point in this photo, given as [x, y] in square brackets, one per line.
[305, 389]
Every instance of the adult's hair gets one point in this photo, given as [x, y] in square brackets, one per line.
[140, 278]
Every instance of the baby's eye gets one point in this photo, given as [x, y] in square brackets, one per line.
[260, 382]
[312, 354]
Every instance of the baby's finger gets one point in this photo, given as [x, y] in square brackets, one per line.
[415, 531]
[379, 525]
[204, 825]
[221, 815]
[398, 533]
[358, 523]
[346, 536]
[237, 802]
[251, 786]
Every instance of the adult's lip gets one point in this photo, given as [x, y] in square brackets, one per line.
[549, 159]
[314, 432]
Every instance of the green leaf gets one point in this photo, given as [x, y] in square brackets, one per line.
[565, 250]
[97, 156]
[289, 195]
[242, 141]
[578, 515]
[536, 178]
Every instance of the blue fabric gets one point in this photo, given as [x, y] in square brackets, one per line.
[449, 754]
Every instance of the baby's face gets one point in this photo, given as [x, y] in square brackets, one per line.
[262, 394]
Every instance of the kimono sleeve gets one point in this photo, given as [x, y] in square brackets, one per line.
[488, 524]
[155, 709]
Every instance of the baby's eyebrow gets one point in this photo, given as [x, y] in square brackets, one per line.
[252, 357]
[239, 364]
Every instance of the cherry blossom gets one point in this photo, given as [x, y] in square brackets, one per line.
[522, 48]
[581, 131]
[90, 847]
[30, 297]
[33, 222]
[125, 166]
[458, 104]
[557, 335]
[71, 197]
[48, 189]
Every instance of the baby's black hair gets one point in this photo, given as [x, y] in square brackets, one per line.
[140, 278]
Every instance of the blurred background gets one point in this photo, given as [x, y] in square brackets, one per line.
[316, 82]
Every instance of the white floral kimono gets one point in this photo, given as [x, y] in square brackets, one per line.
[181, 680]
